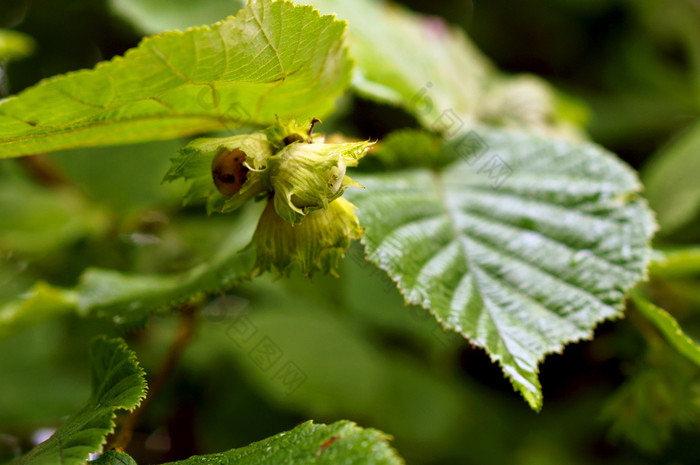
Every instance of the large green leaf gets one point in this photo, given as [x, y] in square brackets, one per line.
[420, 63]
[117, 384]
[522, 245]
[309, 443]
[273, 58]
[129, 299]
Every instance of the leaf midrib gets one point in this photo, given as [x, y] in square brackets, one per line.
[459, 235]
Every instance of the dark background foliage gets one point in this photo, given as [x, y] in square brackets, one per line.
[365, 356]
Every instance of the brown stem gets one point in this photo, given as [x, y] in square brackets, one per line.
[184, 335]
[44, 170]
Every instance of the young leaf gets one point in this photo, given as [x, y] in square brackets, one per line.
[309, 443]
[273, 58]
[670, 328]
[117, 384]
[522, 246]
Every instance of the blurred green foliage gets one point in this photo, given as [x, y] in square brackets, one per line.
[361, 352]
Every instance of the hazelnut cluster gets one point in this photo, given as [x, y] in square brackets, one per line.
[306, 224]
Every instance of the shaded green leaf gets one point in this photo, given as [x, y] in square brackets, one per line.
[420, 63]
[153, 16]
[522, 246]
[340, 442]
[434, 71]
[409, 60]
[124, 178]
[671, 182]
[129, 299]
[44, 356]
[118, 383]
[274, 58]
[412, 147]
[341, 373]
[113, 457]
[662, 396]
[41, 303]
[670, 328]
[15, 278]
[35, 220]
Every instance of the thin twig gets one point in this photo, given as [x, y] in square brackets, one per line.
[184, 334]
[44, 170]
